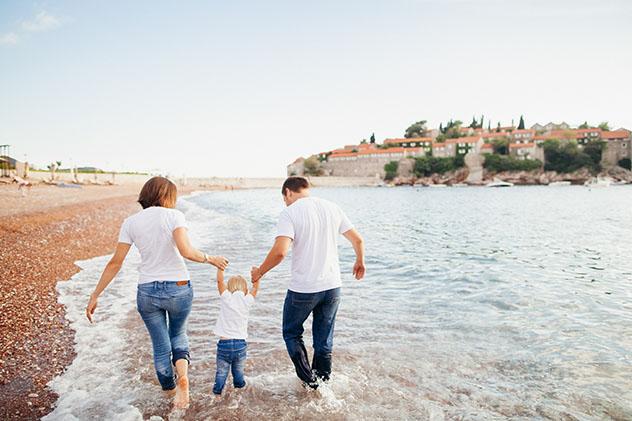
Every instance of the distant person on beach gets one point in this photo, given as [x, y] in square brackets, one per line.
[311, 225]
[164, 293]
[232, 329]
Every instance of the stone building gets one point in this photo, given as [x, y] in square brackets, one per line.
[296, 168]
[618, 147]
[368, 162]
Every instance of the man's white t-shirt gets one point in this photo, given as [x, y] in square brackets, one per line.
[151, 231]
[234, 308]
[314, 225]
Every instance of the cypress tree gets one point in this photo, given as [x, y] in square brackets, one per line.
[521, 124]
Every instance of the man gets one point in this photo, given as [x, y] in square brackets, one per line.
[312, 226]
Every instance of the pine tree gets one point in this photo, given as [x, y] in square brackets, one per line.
[498, 128]
[474, 123]
[521, 124]
[372, 138]
[480, 125]
[441, 127]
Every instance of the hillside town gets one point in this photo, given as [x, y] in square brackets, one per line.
[477, 148]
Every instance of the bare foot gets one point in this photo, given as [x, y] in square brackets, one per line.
[182, 393]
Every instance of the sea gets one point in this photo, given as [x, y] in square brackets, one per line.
[478, 304]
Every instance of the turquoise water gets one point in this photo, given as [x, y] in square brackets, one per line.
[477, 304]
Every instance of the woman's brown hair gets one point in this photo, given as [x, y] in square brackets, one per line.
[158, 191]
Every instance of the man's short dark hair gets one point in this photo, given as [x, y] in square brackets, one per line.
[296, 184]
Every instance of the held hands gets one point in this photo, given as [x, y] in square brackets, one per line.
[255, 274]
[220, 262]
[358, 269]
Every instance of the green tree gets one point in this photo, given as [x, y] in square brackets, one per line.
[501, 145]
[312, 166]
[584, 125]
[498, 128]
[604, 126]
[566, 156]
[498, 163]
[417, 129]
[391, 170]
[474, 123]
[372, 138]
[625, 163]
[428, 165]
[521, 123]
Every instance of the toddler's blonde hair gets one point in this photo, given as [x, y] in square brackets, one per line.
[237, 283]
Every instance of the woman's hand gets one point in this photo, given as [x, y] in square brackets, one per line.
[92, 305]
[220, 262]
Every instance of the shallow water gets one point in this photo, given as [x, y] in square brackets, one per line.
[477, 304]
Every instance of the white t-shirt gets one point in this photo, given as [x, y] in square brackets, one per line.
[151, 231]
[234, 308]
[314, 224]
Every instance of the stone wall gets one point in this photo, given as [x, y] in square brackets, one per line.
[615, 151]
[358, 167]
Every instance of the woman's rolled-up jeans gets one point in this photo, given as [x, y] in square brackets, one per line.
[164, 307]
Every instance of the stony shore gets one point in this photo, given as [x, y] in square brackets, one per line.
[523, 178]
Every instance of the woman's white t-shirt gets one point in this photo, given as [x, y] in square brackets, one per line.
[151, 231]
[234, 308]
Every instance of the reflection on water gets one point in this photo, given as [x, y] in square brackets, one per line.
[478, 304]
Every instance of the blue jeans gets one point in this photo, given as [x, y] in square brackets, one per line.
[296, 309]
[165, 307]
[231, 356]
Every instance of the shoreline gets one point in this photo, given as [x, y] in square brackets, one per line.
[43, 234]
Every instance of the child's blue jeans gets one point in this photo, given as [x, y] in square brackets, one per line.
[231, 356]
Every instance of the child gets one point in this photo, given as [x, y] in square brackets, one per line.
[232, 328]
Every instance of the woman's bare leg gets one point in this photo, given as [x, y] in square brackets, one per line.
[182, 384]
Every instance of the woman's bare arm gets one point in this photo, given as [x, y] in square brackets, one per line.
[221, 286]
[181, 237]
[111, 269]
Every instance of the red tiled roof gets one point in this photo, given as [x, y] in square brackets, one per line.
[469, 139]
[521, 145]
[388, 150]
[523, 131]
[618, 134]
[487, 146]
[343, 155]
[493, 134]
[406, 140]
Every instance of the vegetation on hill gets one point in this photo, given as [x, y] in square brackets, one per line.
[312, 166]
[625, 163]
[429, 165]
[567, 157]
[498, 163]
[417, 129]
[391, 170]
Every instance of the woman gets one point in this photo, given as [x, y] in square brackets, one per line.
[164, 291]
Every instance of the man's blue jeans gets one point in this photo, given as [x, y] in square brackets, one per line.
[296, 309]
[231, 356]
[165, 307]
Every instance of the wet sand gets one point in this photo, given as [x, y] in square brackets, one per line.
[38, 247]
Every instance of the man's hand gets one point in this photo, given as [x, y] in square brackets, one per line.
[220, 262]
[358, 269]
[92, 305]
[255, 274]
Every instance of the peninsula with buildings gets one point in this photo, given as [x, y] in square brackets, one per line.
[474, 155]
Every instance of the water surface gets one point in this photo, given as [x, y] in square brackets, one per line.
[478, 304]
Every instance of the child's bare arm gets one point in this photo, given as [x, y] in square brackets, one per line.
[255, 289]
[220, 281]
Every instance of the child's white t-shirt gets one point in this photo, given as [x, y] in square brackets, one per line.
[234, 308]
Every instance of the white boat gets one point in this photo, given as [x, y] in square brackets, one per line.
[437, 185]
[459, 185]
[497, 182]
[598, 182]
[560, 184]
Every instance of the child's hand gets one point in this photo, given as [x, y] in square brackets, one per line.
[255, 274]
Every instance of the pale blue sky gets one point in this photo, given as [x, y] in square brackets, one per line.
[243, 88]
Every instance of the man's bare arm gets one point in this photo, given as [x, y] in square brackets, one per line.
[357, 242]
[276, 255]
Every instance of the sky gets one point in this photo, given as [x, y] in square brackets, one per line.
[242, 88]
